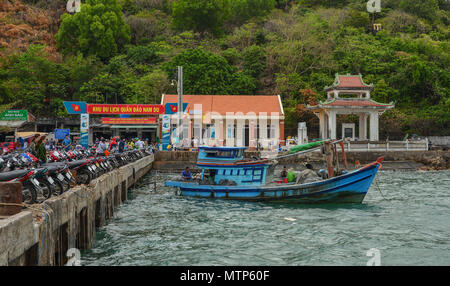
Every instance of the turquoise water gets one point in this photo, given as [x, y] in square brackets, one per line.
[406, 216]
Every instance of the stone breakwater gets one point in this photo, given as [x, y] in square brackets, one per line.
[43, 233]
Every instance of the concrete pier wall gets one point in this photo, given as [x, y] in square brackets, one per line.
[42, 234]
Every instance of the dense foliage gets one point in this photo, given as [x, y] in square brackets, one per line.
[128, 50]
[98, 29]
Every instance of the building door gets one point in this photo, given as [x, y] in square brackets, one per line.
[129, 134]
[348, 132]
[151, 135]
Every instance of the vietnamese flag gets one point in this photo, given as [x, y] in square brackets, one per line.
[174, 108]
[76, 107]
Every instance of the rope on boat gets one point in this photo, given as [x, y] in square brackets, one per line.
[378, 188]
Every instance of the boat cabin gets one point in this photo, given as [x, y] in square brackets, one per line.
[227, 166]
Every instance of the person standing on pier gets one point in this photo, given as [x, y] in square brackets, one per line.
[139, 144]
[131, 145]
[113, 145]
[67, 143]
[101, 148]
[122, 145]
[41, 153]
[33, 144]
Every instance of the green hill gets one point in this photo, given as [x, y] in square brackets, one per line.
[120, 51]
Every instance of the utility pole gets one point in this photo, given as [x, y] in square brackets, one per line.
[180, 103]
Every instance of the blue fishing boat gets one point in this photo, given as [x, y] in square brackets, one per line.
[227, 175]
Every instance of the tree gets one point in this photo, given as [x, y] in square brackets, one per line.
[254, 58]
[243, 10]
[208, 73]
[33, 81]
[200, 15]
[109, 88]
[98, 29]
[149, 88]
[426, 9]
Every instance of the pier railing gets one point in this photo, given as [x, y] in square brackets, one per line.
[367, 146]
[387, 146]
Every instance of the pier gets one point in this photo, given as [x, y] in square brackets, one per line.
[43, 233]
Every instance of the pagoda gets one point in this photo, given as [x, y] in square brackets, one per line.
[361, 105]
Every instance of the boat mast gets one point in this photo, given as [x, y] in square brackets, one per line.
[329, 154]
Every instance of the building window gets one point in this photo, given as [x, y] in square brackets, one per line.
[231, 131]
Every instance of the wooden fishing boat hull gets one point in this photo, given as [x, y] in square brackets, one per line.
[348, 188]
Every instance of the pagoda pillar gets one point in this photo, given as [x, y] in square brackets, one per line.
[362, 126]
[374, 126]
[322, 125]
[332, 124]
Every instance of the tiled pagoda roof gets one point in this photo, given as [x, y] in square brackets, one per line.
[349, 82]
[351, 102]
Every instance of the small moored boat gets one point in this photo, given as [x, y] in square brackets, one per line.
[227, 175]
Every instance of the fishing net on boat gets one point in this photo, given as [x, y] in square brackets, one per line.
[225, 182]
[304, 147]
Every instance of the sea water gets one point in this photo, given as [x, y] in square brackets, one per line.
[404, 220]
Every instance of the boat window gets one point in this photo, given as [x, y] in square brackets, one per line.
[231, 172]
[257, 175]
[210, 153]
[225, 154]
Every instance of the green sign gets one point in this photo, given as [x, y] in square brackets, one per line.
[14, 115]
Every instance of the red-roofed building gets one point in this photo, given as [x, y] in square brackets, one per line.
[231, 120]
[361, 105]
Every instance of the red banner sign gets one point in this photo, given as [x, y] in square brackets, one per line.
[125, 109]
[149, 120]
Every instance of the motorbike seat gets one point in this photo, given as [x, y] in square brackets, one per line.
[8, 176]
[77, 163]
